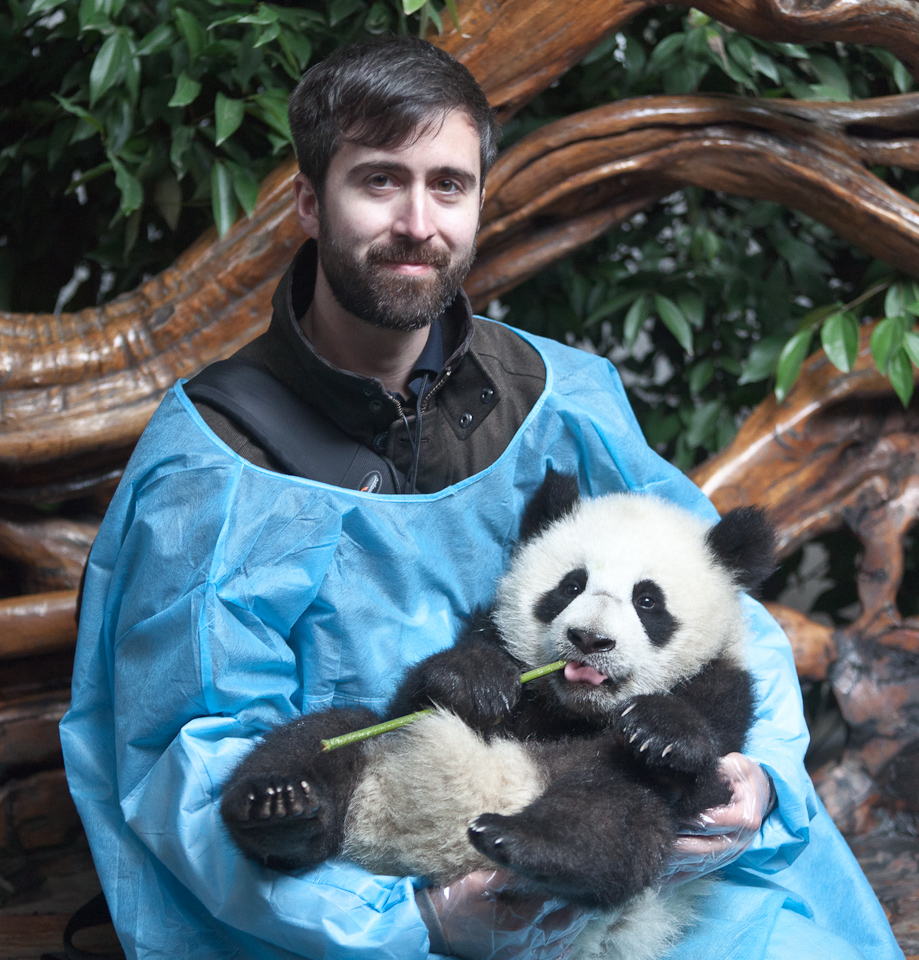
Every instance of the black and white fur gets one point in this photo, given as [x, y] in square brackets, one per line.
[579, 781]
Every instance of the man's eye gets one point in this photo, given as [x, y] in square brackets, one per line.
[379, 180]
[447, 186]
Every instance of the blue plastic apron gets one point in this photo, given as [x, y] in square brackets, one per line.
[222, 598]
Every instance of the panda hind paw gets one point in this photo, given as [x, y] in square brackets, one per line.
[270, 800]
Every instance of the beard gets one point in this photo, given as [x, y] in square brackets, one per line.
[368, 288]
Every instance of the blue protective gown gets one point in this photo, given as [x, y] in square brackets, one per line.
[222, 598]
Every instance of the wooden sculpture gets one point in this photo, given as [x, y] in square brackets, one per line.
[77, 389]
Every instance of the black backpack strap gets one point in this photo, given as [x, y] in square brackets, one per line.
[93, 913]
[299, 438]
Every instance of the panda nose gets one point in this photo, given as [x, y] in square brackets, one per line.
[590, 642]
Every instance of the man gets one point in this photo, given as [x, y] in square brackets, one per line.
[224, 595]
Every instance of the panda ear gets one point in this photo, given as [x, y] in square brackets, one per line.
[743, 542]
[554, 499]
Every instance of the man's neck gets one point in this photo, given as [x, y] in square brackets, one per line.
[359, 347]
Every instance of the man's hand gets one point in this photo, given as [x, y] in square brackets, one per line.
[723, 833]
[493, 915]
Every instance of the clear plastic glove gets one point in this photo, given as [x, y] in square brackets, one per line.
[723, 833]
[493, 915]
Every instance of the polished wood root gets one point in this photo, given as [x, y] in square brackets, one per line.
[839, 454]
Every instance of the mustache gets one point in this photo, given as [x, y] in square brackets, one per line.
[402, 252]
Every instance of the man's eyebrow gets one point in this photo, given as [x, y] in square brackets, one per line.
[393, 166]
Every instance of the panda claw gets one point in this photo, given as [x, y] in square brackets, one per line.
[643, 748]
[667, 750]
[627, 710]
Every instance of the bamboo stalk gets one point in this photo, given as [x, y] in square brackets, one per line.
[367, 732]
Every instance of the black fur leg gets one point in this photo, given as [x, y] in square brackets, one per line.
[592, 847]
[285, 803]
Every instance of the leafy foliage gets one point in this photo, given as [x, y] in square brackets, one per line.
[133, 125]
[708, 300]
[128, 127]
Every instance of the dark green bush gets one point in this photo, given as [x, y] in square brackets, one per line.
[129, 126]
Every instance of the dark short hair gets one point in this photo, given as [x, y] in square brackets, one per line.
[381, 93]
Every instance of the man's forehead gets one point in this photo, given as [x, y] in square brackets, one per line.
[433, 132]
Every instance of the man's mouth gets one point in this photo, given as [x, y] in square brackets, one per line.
[409, 268]
[575, 672]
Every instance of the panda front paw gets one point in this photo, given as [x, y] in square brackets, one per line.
[478, 682]
[662, 733]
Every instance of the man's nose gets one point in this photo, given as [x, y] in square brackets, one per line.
[414, 219]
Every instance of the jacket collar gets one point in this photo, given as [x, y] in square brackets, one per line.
[360, 406]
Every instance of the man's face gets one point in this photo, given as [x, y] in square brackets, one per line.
[397, 227]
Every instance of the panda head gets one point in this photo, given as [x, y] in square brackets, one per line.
[634, 592]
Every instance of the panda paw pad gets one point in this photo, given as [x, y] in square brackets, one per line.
[272, 800]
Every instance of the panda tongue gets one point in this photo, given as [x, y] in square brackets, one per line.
[582, 673]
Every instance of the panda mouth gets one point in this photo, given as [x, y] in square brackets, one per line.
[576, 672]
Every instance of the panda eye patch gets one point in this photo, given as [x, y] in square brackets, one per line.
[554, 601]
[651, 606]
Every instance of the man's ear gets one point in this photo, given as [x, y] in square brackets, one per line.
[307, 203]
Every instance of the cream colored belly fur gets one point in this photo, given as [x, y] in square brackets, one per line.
[426, 782]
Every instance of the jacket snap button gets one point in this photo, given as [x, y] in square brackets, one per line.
[465, 420]
[487, 394]
[379, 442]
[376, 406]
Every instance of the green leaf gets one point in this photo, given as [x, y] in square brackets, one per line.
[42, 6]
[454, 13]
[412, 6]
[263, 17]
[839, 336]
[109, 65]
[701, 375]
[271, 108]
[634, 319]
[228, 115]
[886, 341]
[132, 193]
[894, 300]
[182, 138]
[790, 362]
[900, 371]
[761, 362]
[192, 31]
[702, 422]
[167, 198]
[246, 188]
[223, 197]
[911, 346]
[157, 40]
[693, 308]
[665, 52]
[186, 91]
[674, 321]
[270, 33]
[80, 112]
[340, 10]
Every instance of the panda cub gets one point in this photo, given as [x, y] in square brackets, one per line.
[579, 781]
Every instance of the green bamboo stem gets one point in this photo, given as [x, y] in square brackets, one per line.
[367, 732]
